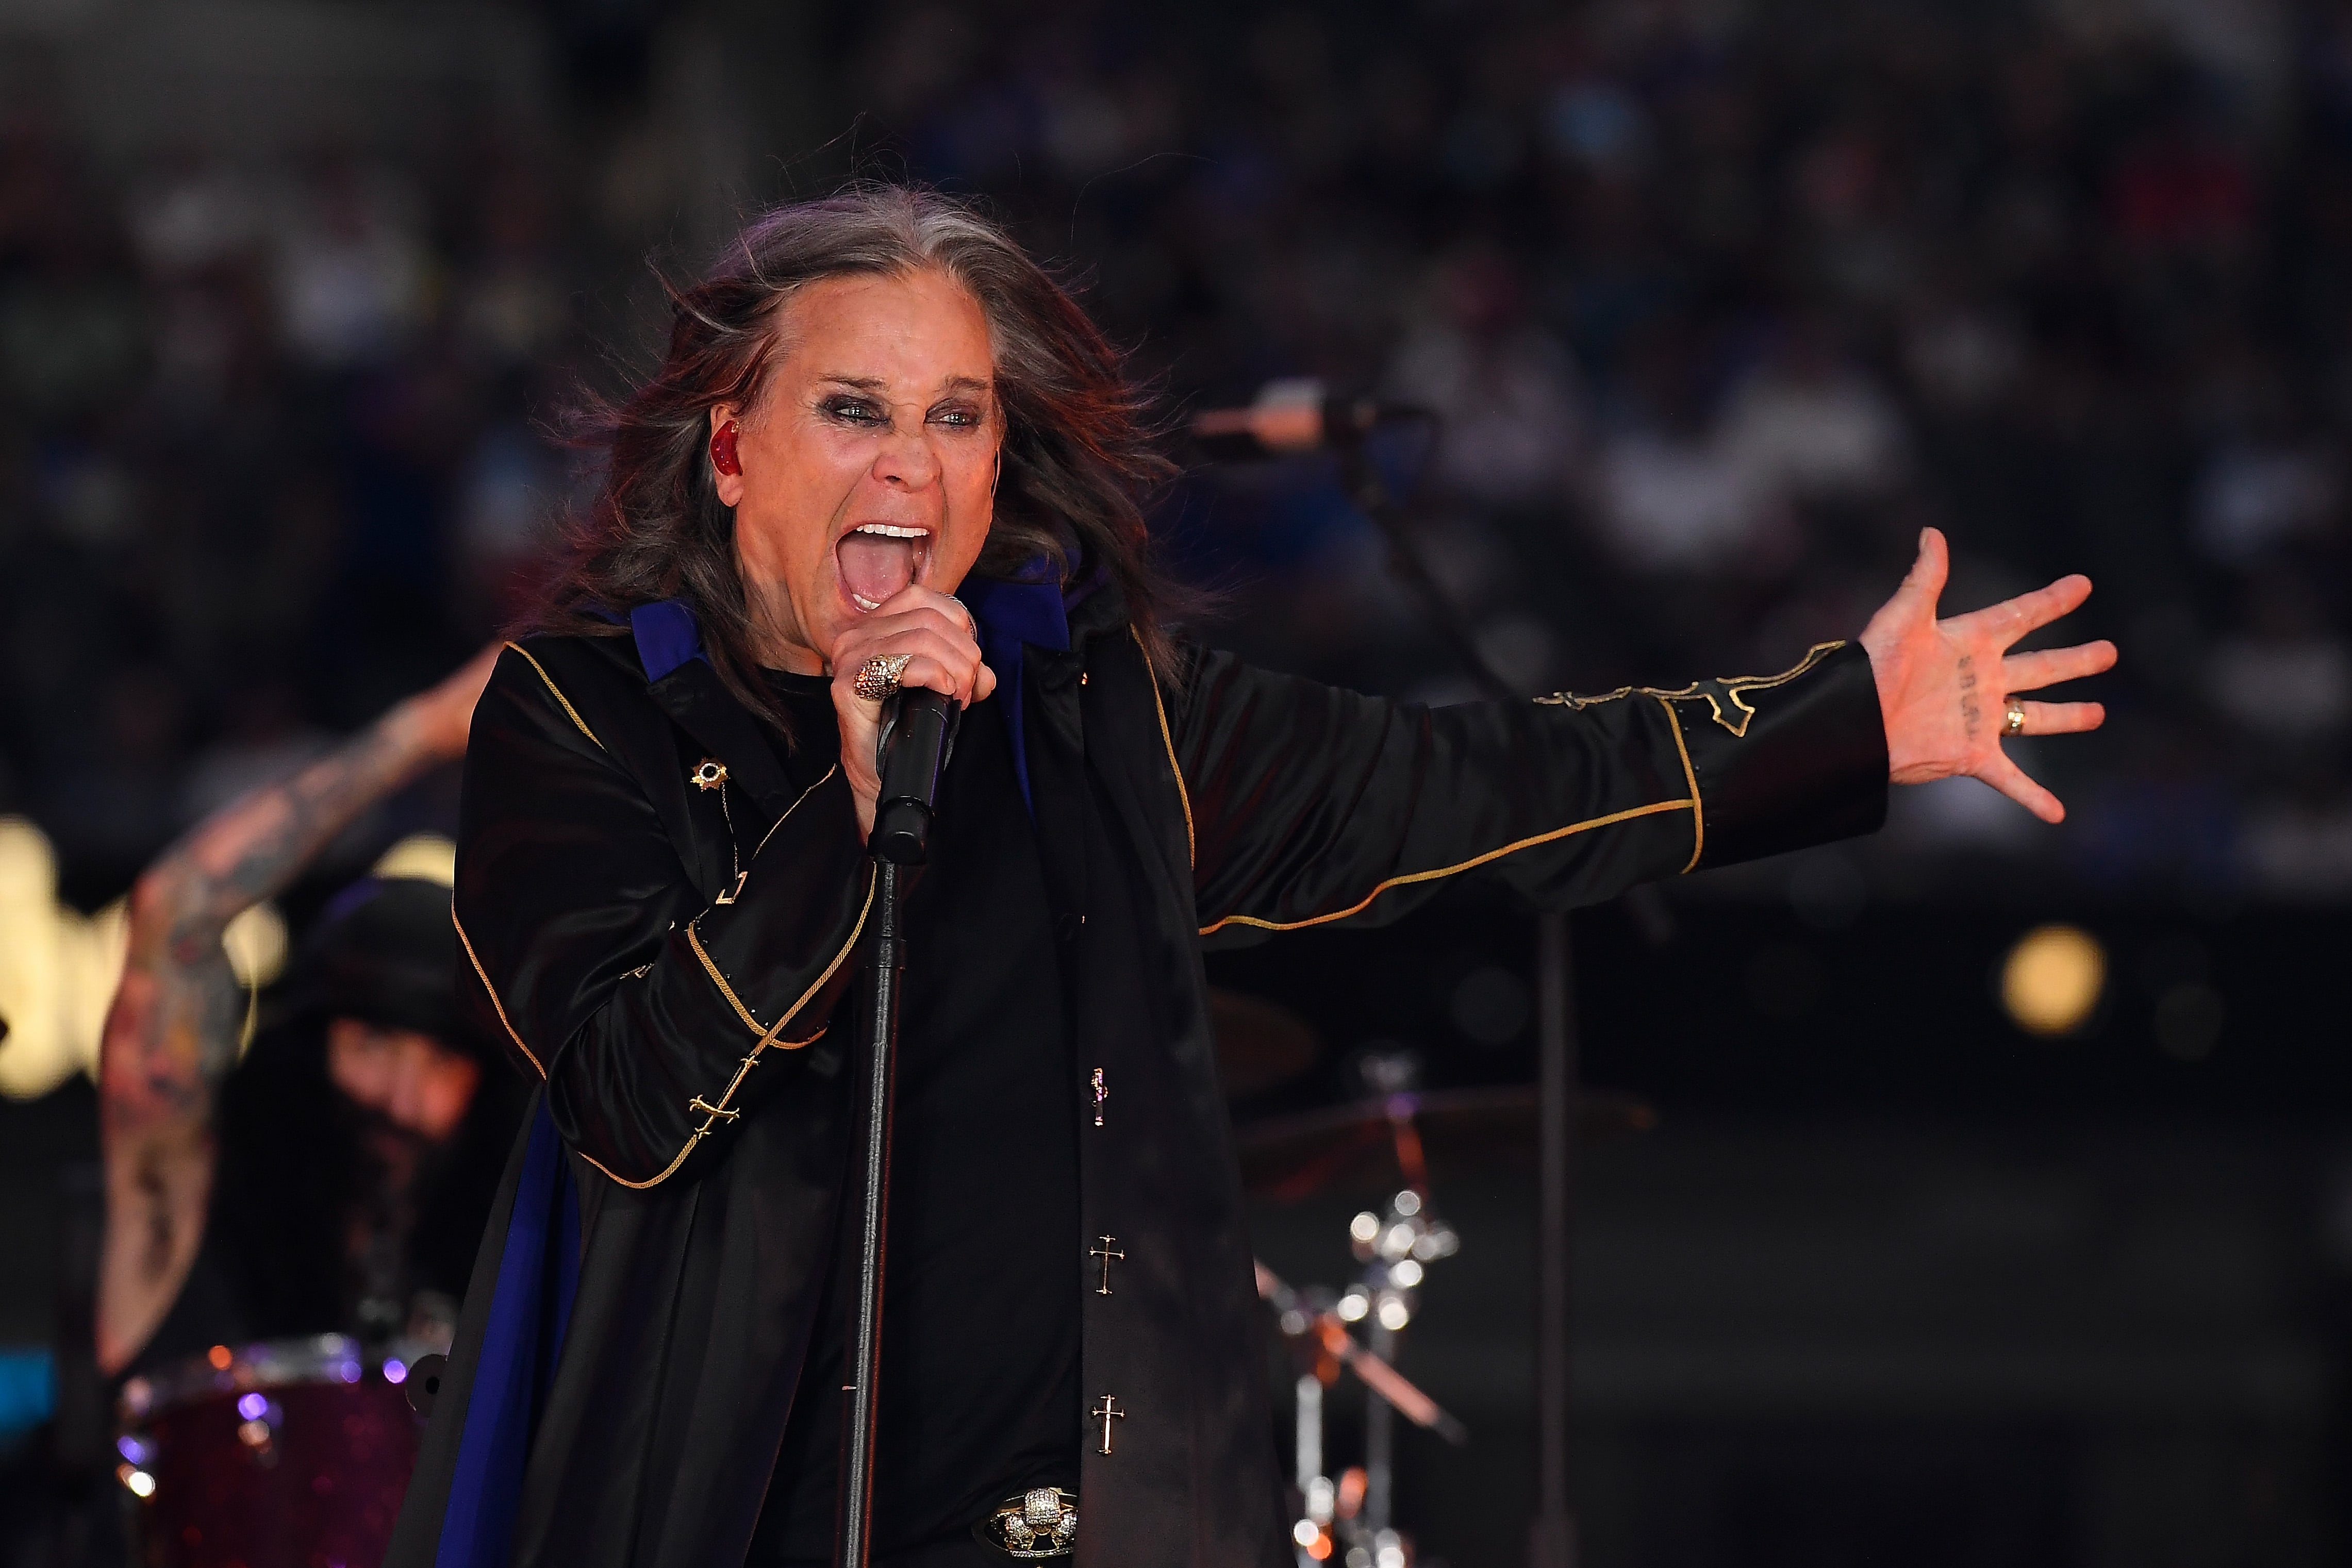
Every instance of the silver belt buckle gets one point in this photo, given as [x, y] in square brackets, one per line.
[1041, 1523]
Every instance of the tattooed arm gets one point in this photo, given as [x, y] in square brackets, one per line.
[172, 1034]
[1944, 686]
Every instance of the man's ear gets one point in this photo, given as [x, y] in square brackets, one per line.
[724, 452]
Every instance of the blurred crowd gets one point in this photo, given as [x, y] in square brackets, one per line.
[267, 461]
[1719, 304]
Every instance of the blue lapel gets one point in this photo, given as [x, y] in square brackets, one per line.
[1012, 611]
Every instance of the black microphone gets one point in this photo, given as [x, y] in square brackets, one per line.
[917, 735]
[1294, 416]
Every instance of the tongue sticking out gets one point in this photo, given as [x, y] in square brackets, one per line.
[874, 567]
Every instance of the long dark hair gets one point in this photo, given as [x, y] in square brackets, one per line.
[1080, 456]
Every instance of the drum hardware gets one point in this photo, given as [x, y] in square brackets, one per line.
[1392, 1135]
[1320, 1330]
[1349, 1518]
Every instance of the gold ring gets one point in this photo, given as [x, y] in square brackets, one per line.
[878, 678]
[2014, 722]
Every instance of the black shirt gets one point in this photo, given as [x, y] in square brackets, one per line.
[979, 1394]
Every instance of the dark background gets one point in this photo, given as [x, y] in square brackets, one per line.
[1721, 302]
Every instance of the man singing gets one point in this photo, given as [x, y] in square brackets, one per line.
[884, 449]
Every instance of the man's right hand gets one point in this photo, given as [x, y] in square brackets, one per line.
[940, 639]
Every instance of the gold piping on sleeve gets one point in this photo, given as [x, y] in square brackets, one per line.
[1471, 865]
[713, 1114]
[1690, 777]
[492, 991]
[558, 694]
[1185, 795]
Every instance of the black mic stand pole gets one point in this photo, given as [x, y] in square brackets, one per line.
[886, 970]
[914, 752]
[1551, 1537]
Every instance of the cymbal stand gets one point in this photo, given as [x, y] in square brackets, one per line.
[1319, 1335]
[1552, 1542]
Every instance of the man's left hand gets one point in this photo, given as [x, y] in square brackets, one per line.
[1944, 686]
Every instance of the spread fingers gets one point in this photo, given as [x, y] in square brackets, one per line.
[2010, 779]
[2063, 718]
[2032, 672]
[2013, 618]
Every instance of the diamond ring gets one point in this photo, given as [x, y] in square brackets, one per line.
[878, 678]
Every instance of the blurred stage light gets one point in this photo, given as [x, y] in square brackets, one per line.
[2052, 979]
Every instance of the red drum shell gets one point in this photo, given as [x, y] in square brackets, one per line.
[294, 1455]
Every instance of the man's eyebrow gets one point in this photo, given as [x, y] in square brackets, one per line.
[875, 383]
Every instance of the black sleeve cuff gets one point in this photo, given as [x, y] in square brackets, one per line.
[1783, 762]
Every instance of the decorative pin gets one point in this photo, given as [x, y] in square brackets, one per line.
[1107, 1412]
[708, 774]
[1107, 1252]
[1101, 1094]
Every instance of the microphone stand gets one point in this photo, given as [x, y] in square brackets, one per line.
[915, 746]
[1551, 1535]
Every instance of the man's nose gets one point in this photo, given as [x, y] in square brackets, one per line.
[906, 461]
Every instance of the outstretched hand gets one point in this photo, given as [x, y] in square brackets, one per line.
[1944, 686]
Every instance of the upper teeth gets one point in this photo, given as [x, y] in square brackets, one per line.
[888, 531]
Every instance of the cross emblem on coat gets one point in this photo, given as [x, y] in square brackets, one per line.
[1107, 1412]
[1107, 1252]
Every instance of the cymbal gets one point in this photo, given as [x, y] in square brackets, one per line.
[1261, 1045]
[1354, 1147]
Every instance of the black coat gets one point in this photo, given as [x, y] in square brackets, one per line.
[677, 1000]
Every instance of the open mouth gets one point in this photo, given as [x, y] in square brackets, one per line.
[877, 560]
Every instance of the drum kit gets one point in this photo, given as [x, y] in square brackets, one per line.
[1384, 1142]
[295, 1453]
[290, 1454]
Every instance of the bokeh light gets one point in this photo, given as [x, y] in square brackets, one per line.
[2052, 979]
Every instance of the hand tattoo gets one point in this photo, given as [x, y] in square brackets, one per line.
[1971, 715]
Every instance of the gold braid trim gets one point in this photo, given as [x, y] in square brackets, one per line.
[1690, 777]
[558, 693]
[1717, 694]
[694, 937]
[1471, 865]
[492, 991]
[714, 1114]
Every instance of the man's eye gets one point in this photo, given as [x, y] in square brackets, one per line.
[854, 409]
[961, 418]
